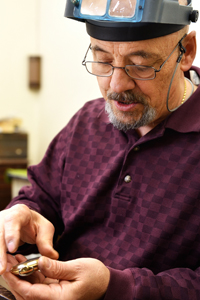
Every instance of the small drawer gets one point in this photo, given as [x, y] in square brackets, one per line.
[13, 145]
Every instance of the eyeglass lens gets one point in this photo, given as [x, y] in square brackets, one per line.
[134, 71]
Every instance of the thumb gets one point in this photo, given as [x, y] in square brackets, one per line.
[56, 269]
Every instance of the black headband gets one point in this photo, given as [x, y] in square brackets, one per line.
[108, 31]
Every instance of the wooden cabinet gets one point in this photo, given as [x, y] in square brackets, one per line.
[13, 154]
[5, 294]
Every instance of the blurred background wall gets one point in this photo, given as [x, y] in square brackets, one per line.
[38, 27]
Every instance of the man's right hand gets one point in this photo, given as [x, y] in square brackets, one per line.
[19, 225]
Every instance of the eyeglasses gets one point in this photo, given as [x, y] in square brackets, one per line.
[138, 72]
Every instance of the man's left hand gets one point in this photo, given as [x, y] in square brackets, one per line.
[79, 279]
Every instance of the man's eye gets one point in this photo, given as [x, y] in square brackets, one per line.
[139, 68]
[104, 60]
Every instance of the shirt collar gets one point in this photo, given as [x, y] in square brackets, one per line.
[185, 119]
[103, 116]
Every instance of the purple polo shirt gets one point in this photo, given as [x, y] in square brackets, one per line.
[132, 202]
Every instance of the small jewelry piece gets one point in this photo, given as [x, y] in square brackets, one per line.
[25, 268]
[192, 91]
[184, 95]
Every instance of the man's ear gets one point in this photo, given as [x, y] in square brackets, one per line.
[191, 47]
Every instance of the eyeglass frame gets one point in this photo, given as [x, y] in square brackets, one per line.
[179, 44]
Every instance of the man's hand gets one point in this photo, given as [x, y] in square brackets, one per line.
[19, 225]
[80, 279]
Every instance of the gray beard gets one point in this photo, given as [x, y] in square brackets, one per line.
[147, 117]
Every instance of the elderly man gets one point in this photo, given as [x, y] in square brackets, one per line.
[120, 183]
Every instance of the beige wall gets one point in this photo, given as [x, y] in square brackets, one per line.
[17, 40]
[38, 27]
[32, 27]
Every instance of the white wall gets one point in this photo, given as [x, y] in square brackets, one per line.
[195, 26]
[17, 40]
[66, 84]
[31, 27]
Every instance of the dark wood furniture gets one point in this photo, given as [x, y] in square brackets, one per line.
[13, 154]
[5, 294]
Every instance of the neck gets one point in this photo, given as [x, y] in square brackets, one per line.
[144, 130]
[189, 89]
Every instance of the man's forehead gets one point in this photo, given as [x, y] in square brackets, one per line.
[144, 49]
[183, 2]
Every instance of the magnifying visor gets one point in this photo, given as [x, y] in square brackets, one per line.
[110, 10]
[131, 20]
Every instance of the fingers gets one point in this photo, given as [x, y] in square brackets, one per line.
[11, 222]
[44, 238]
[17, 296]
[84, 278]
[77, 269]
[37, 289]
[13, 260]
[9, 236]
[15, 283]
[15, 219]
[19, 258]
[20, 225]
[70, 270]
[3, 249]
[80, 279]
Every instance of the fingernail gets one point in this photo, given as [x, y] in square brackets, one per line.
[11, 246]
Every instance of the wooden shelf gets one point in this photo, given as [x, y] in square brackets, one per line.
[11, 157]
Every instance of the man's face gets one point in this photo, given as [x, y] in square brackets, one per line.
[136, 103]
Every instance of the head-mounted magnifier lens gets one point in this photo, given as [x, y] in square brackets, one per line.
[110, 10]
[131, 20]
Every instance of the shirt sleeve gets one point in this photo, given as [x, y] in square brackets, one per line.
[43, 195]
[140, 284]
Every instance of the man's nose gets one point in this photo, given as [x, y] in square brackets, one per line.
[120, 81]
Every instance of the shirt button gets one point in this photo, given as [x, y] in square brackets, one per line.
[127, 178]
[137, 148]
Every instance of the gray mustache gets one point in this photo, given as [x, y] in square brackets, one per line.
[125, 97]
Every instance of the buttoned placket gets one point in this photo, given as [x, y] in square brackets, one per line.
[126, 178]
